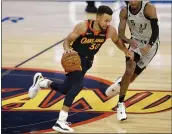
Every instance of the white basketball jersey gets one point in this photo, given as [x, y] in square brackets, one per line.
[139, 26]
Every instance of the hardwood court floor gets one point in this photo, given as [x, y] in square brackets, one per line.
[46, 23]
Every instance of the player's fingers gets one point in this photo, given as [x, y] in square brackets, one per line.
[131, 57]
[75, 51]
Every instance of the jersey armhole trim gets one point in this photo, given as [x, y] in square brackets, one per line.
[144, 11]
[87, 23]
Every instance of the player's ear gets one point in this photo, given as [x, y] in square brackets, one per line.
[98, 16]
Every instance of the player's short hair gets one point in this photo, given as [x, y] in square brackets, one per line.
[104, 10]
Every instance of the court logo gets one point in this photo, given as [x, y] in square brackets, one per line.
[22, 114]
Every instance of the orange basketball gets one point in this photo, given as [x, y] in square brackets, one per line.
[71, 62]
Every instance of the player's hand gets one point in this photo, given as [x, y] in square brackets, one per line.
[133, 44]
[129, 54]
[69, 51]
[145, 50]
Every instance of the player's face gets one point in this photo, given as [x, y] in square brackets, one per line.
[134, 4]
[104, 21]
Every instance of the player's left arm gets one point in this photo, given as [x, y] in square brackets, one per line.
[150, 12]
[112, 33]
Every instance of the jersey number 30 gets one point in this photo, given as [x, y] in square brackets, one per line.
[94, 46]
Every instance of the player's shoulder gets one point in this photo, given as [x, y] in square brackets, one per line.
[124, 9]
[149, 6]
[111, 27]
[111, 31]
[123, 12]
[149, 10]
[82, 26]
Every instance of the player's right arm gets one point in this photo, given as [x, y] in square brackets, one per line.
[122, 27]
[79, 29]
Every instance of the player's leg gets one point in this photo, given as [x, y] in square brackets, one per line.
[41, 82]
[137, 72]
[114, 89]
[146, 59]
[130, 68]
[61, 124]
[121, 114]
[74, 81]
[65, 86]
[77, 85]
[141, 65]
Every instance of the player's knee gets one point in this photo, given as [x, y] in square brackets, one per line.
[71, 95]
[129, 72]
[76, 89]
[130, 68]
[54, 86]
[64, 92]
[132, 79]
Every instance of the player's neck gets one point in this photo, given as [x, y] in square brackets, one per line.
[96, 26]
[135, 11]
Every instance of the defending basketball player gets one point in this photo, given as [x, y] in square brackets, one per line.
[87, 38]
[143, 24]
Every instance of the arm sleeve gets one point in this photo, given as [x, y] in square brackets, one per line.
[155, 31]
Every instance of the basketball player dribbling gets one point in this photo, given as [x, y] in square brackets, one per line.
[87, 38]
[143, 24]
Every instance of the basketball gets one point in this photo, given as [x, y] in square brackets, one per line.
[71, 62]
